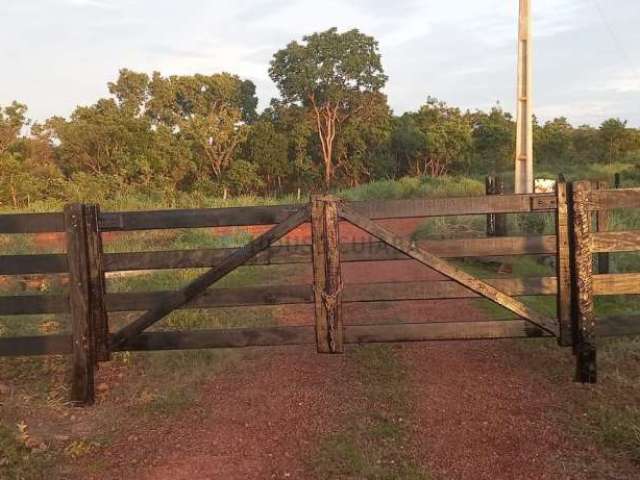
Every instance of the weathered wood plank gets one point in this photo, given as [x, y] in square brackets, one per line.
[563, 267]
[446, 206]
[200, 284]
[40, 345]
[82, 382]
[602, 225]
[97, 290]
[31, 223]
[617, 284]
[319, 274]
[195, 218]
[33, 304]
[582, 288]
[496, 222]
[627, 241]
[613, 284]
[450, 271]
[350, 252]
[353, 293]
[271, 215]
[612, 199]
[332, 294]
[305, 335]
[33, 264]
[297, 294]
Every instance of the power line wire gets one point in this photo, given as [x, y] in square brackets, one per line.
[616, 40]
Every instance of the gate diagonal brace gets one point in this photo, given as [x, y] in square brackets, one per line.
[198, 286]
[449, 270]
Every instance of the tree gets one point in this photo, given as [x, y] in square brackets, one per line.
[446, 136]
[493, 140]
[208, 111]
[12, 119]
[616, 138]
[102, 139]
[131, 89]
[329, 74]
[361, 151]
[268, 149]
[554, 142]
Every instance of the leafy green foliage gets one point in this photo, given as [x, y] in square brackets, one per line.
[187, 139]
[335, 77]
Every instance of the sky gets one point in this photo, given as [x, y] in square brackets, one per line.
[57, 54]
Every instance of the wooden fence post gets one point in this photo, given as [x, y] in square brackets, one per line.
[617, 180]
[602, 225]
[583, 315]
[327, 278]
[496, 222]
[98, 311]
[82, 328]
[563, 266]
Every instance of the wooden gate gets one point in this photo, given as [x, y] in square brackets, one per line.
[88, 301]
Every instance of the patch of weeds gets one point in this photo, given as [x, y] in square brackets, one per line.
[81, 448]
[171, 400]
[615, 427]
[18, 462]
[373, 443]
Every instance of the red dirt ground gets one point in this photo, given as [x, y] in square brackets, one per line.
[263, 419]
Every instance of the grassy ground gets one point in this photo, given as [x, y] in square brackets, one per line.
[373, 441]
[607, 412]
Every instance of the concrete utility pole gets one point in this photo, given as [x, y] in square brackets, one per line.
[524, 121]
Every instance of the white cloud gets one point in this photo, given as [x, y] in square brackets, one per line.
[462, 51]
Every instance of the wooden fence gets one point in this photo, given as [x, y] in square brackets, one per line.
[88, 302]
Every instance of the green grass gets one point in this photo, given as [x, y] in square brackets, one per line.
[414, 187]
[18, 462]
[372, 443]
[608, 413]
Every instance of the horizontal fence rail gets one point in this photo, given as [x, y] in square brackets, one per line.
[305, 335]
[89, 301]
[604, 242]
[273, 214]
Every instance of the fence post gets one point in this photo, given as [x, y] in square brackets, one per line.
[327, 279]
[98, 310]
[563, 267]
[583, 316]
[602, 225]
[496, 222]
[83, 350]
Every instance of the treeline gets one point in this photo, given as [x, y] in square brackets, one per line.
[330, 127]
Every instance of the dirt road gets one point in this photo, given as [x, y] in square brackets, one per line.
[476, 411]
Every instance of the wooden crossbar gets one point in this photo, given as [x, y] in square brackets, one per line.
[203, 282]
[449, 270]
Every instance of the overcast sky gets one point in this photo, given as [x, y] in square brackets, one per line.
[56, 54]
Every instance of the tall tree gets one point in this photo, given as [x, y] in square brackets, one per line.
[493, 140]
[12, 119]
[209, 111]
[447, 138]
[616, 137]
[268, 149]
[330, 74]
[554, 142]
